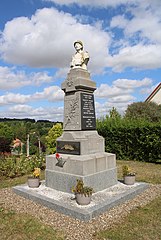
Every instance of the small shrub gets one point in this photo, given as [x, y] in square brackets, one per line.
[81, 189]
[18, 166]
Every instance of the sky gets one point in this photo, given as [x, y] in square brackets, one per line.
[122, 37]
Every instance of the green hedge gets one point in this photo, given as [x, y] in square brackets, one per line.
[131, 140]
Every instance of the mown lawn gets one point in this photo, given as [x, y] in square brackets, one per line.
[10, 182]
[141, 224]
[14, 226]
[145, 172]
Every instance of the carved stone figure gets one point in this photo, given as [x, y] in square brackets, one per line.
[81, 58]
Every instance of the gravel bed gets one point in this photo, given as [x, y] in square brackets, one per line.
[74, 228]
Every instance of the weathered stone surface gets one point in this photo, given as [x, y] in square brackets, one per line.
[97, 170]
[79, 108]
[80, 145]
[79, 112]
[78, 79]
[90, 141]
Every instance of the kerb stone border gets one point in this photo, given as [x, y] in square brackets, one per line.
[65, 204]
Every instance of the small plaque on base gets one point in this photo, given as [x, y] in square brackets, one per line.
[68, 147]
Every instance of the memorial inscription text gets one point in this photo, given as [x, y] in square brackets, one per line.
[88, 112]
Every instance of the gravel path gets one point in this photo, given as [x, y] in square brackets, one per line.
[74, 228]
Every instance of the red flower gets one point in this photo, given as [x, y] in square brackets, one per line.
[57, 155]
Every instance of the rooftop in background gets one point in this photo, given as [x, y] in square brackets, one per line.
[155, 96]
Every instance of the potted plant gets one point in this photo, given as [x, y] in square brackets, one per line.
[60, 160]
[128, 175]
[82, 193]
[34, 179]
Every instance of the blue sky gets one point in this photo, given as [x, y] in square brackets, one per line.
[123, 38]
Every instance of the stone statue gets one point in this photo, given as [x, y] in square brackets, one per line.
[81, 58]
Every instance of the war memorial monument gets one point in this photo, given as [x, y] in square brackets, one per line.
[82, 152]
[80, 145]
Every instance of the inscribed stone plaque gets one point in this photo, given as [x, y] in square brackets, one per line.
[68, 147]
[88, 118]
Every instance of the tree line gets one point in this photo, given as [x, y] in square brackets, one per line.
[136, 135]
[11, 129]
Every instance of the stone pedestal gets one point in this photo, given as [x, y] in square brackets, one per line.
[97, 170]
[80, 145]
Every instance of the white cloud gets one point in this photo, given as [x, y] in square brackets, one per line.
[26, 111]
[61, 73]
[20, 109]
[148, 90]
[120, 94]
[127, 83]
[11, 98]
[52, 94]
[106, 91]
[116, 98]
[145, 21]
[122, 99]
[10, 78]
[138, 56]
[141, 47]
[39, 78]
[119, 21]
[46, 40]
[103, 109]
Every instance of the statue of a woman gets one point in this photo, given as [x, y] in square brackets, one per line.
[81, 58]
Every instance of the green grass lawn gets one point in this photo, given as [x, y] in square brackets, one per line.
[141, 224]
[14, 226]
[145, 172]
[10, 182]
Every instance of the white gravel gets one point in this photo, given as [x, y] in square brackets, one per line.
[66, 198]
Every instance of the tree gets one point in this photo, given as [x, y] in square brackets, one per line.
[55, 132]
[114, 113]
[5, 145]
[149, 111]
[6, 131]
[20, 130]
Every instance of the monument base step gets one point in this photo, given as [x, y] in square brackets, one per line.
[65, 181]
[96, 170]
[64, 202]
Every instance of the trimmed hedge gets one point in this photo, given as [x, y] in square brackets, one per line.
[131, 140]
